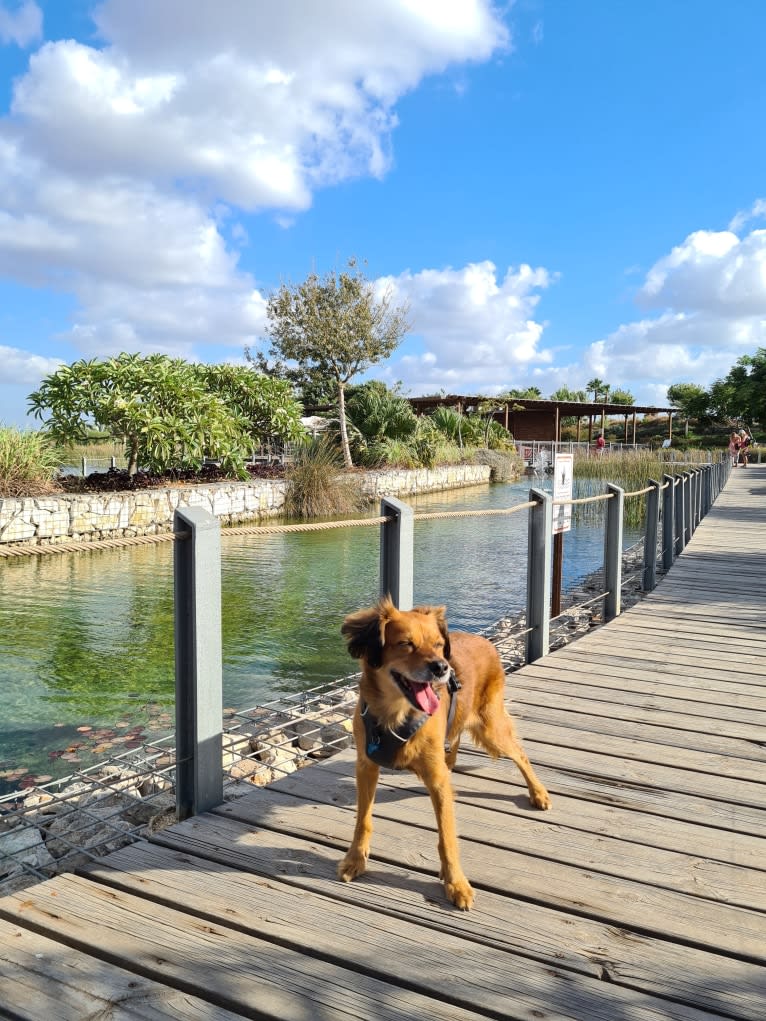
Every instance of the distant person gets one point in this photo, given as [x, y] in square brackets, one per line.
[734, 445]
[600, 444]
[744, 442]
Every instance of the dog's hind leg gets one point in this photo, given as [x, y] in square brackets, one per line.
[355, 861]
[496, 735]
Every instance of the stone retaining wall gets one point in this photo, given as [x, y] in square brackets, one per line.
[146, 512]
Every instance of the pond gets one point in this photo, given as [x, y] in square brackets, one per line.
[86, 639]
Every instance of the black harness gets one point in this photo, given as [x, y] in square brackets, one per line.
[382, 744]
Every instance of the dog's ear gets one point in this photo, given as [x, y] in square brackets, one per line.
[440, 613]
[364, 632]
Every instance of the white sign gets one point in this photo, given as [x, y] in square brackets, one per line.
[563, 470]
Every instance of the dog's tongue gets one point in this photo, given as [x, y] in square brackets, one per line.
[425, 696]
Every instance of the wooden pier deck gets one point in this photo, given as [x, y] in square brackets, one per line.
[641, 895]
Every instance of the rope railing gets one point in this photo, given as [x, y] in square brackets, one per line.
[119, 542]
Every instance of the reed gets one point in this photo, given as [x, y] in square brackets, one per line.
[631, 470]
[98, 451]
[28, 463]
[316, 484]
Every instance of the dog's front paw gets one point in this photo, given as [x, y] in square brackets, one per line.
[353, 865]
[460, 893]
[540, 798]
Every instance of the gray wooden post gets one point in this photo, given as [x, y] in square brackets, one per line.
[649, 577]
[539, 563]
[199, 698]
[697, 496]
[680, 513]
[397, 541]
[613, 552]
[668, 522]
[84, 467]
[688, 504]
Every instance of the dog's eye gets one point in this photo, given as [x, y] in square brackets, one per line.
[407, 644]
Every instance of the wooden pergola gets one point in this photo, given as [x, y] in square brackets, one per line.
[541, 420]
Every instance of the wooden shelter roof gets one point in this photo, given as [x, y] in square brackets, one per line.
[422, 404]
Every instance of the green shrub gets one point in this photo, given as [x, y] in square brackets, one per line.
[316, 484]
[28, 463]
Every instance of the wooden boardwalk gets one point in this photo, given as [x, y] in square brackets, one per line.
[641, 895]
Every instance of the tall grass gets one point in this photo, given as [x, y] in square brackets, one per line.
[75, 452]
[631, 470]
[317, 486]
[28, 463]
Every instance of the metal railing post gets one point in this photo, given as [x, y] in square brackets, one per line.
[613, 552]
[539, 563]
[397, 542]
[649, 577]
[697, 496]
[709, 497]
[198, 661]
[680, 511]
[688, 503]
[668, 522]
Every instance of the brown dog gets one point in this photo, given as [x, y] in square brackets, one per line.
[421, 687]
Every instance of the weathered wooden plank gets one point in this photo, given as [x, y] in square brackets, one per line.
[549, 688]
[651, 910]
[40, 978]
[607, 661]
[646, 617]
[657, 790]
[696, 738]
[499, 787]
[282, 914]
[214, 961]
[551, 936]
[502, 809]
[708, 774]
[578, 670]
[668, 651]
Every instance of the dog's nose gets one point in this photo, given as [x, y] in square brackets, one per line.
[438, 667]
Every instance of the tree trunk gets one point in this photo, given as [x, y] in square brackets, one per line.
[343, 428]
[132, 456]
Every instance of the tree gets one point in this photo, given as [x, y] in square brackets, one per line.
[311, 388]
[335, 327]
[168, 413]
[691, 400]
[528, 393]
[264, 403]
[618, 396]
[565, 394]
[379, 413]
[598, 386]
[742, 393]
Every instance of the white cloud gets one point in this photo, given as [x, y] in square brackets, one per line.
[757, 211]
[21, 26]
[714, 272]
[258, 103]
[477, 331]
[119, 165]
[712, 292]
[17, 366]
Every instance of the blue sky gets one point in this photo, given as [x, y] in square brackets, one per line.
[559, 189]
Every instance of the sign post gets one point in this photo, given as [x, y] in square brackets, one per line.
[563, 471]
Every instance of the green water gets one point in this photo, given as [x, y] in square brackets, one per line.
[86, 640]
